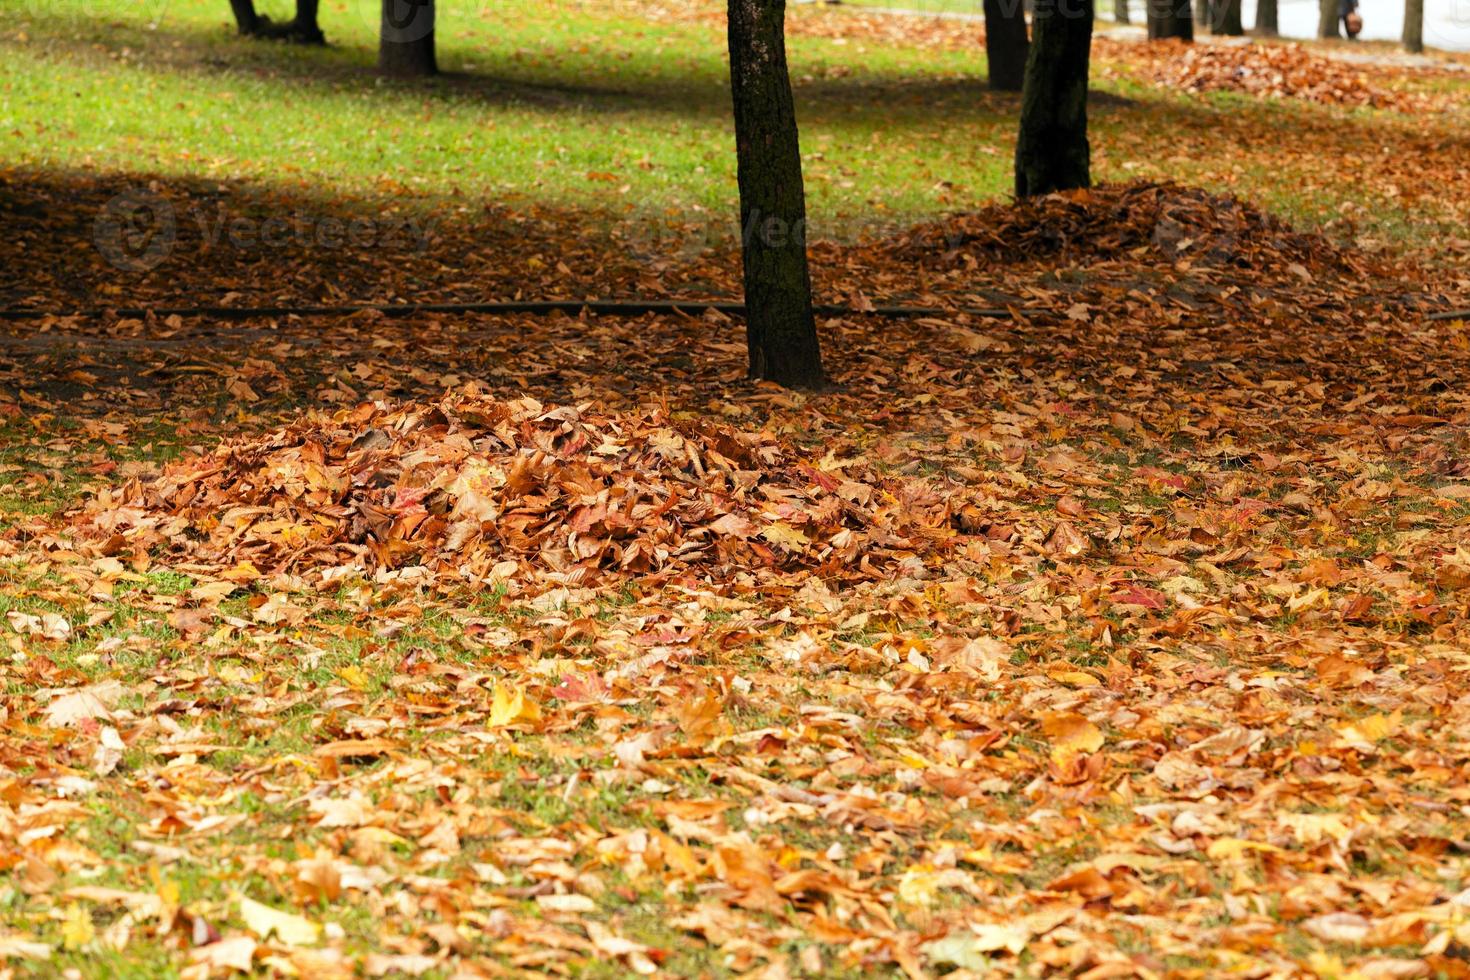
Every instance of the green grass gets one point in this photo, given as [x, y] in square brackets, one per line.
[592, 107]
[529, 110]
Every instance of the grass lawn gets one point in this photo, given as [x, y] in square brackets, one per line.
[624, 109]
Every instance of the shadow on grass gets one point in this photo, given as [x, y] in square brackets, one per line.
[600, 82]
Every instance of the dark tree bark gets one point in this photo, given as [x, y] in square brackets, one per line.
[1414, 26]
[780, 330]
[1169, 19]
[1052, 152]
[303, 29]
[1006, 44]
[1327, 19]
[406, 44]
[1225, 18]
[1120, 12]
[246, 20]
[1268, 23]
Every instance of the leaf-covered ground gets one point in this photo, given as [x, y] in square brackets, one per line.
[1124, 635]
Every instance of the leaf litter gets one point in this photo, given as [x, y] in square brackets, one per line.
[1276, 71]
[1145, 653]
[517, 491]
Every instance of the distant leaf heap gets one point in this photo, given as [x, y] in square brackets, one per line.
[1280, 71]
[1120, 222]
[475, 489]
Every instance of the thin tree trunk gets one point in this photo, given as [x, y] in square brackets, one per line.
[1052, 152]
[246, 20]
[1006, 44]
[1169, 19]
[1268, 23]
[1414, 26]
[406, 46]
[780, 330]
[1327, 19]
[1120, 12]
[1225, 16]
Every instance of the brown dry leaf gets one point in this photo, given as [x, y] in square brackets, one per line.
[1071, 734]
[85, 704]
[232, 953]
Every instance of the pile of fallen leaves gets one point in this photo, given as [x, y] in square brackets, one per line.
[1138, 220]
[1268, 71]
[481, 489]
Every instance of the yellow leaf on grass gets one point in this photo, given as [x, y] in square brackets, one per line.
[1234, 848]
[77, 930]
[243, 571]
[922, 883]
[1365, 733]
[511, 706]
[1070, 734]
[355, 677]
[1311, 599]
[1072, 678]
[918, 886]
[289, 928]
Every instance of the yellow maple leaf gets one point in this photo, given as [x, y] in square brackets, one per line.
[354, 676]
[786, 536]
[511, 706]
[77, 930]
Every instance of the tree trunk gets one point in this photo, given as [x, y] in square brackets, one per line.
[1327, 19]
[780, 330]
[1052, 152]
[1414, 26]
[305, 28]
[246, 20]
[1006, 44]
[1203, 14]
[1169, 19]
[1268, 24]
[1120, 12]
[406, 46]
[1225, 16]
